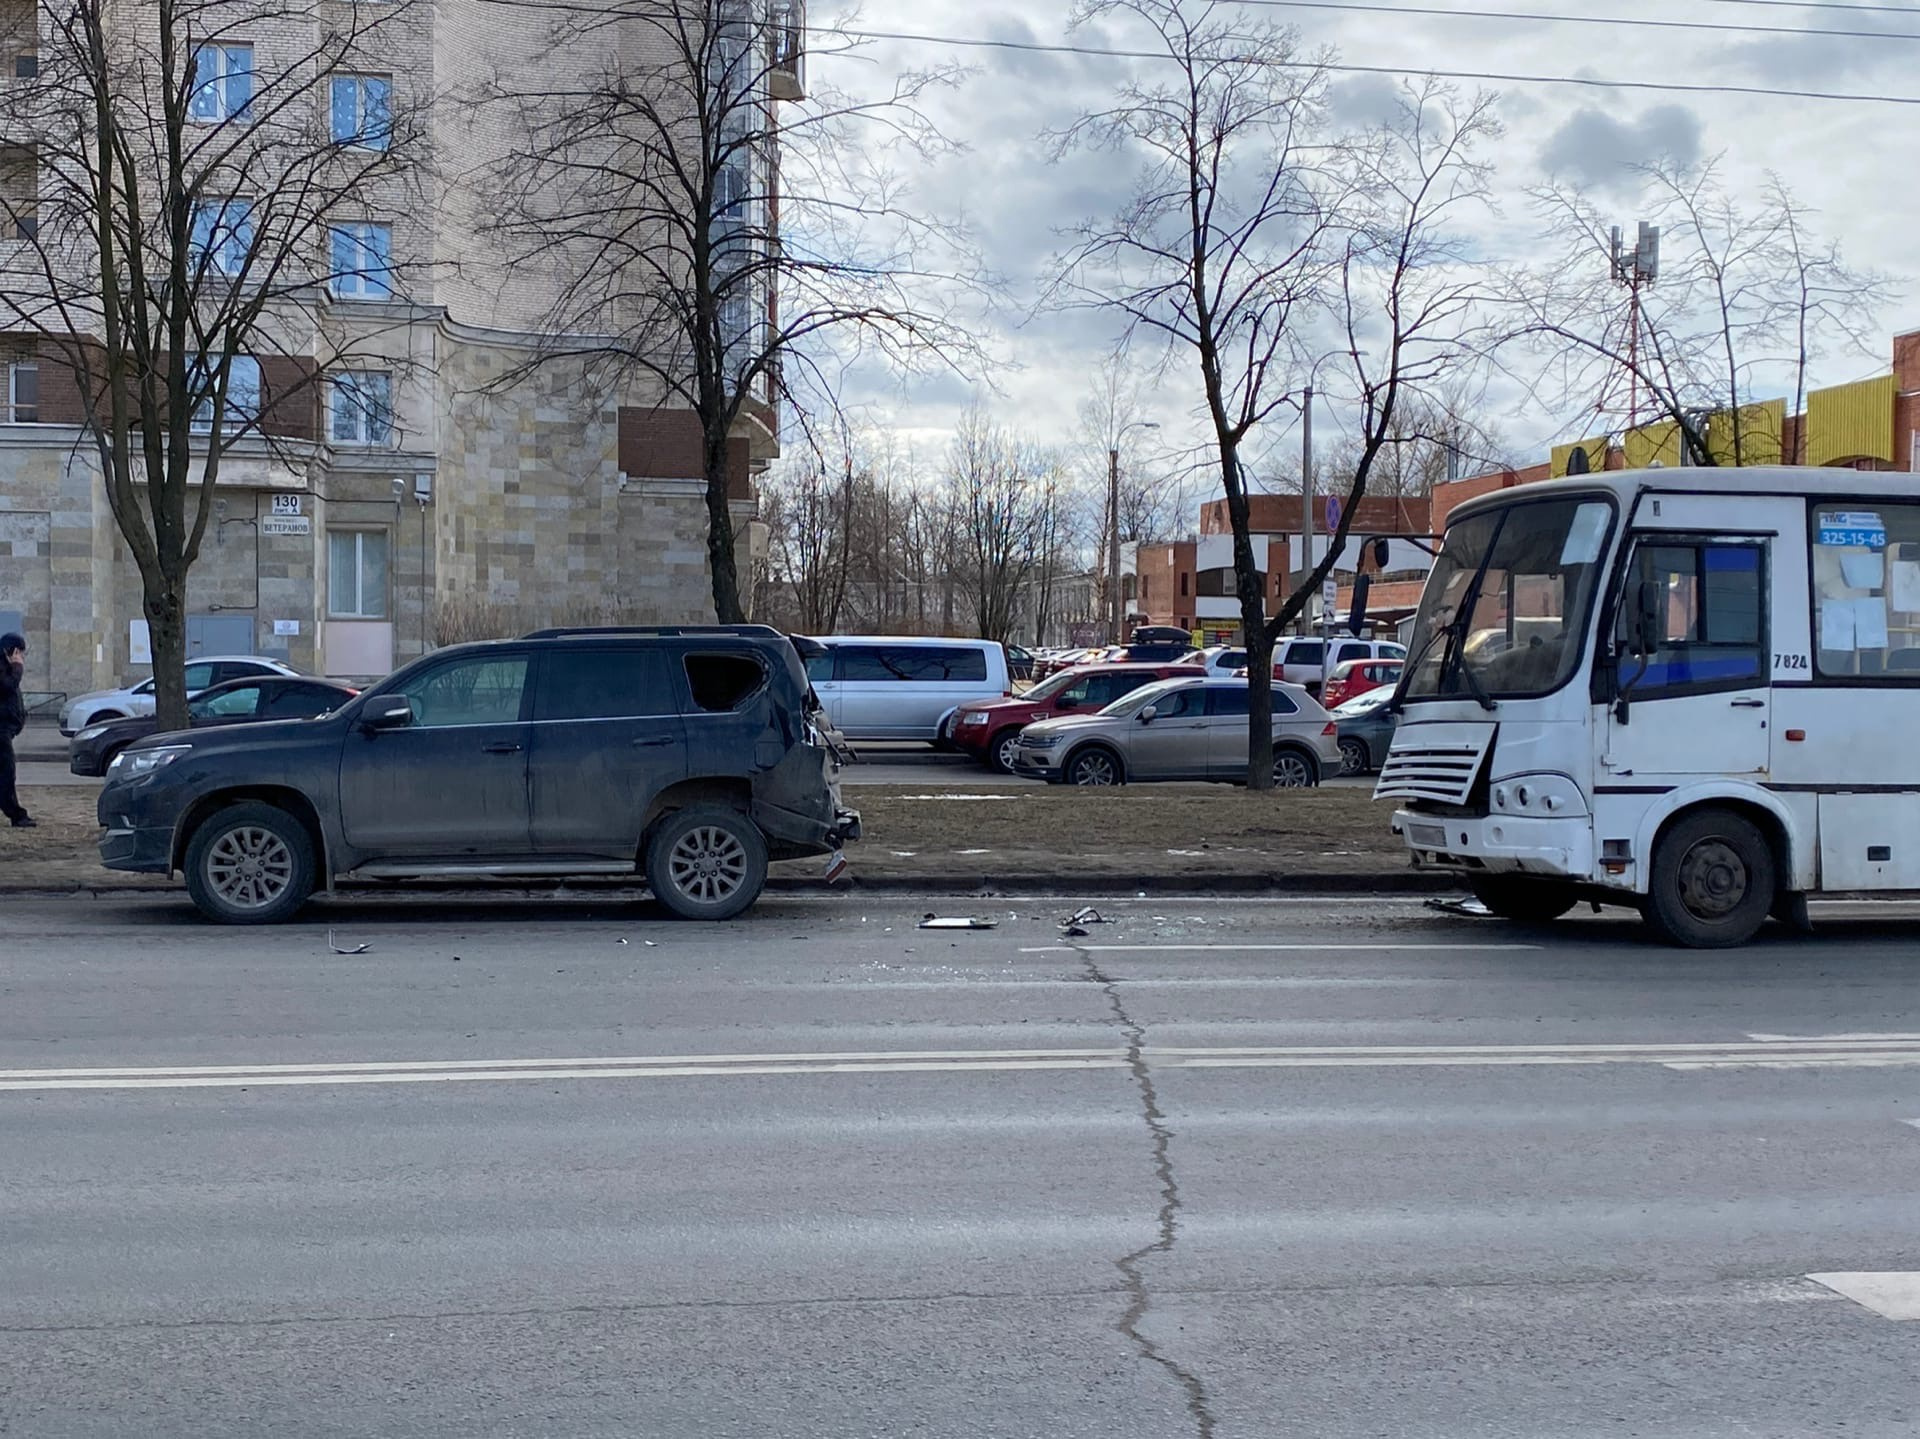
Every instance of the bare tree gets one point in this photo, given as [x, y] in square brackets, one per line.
[1002, 492]
[182, 210]
[1745, 294]
[1252, 227]
[712, 229]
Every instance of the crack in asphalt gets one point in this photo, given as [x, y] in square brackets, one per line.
[1139, 1296]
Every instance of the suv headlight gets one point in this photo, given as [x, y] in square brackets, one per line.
[974, 718]
[1040, 741]
[132, 763]
[92, 731]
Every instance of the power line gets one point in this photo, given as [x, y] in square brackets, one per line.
[1819, 5]
[1542, 17]
[968, 42]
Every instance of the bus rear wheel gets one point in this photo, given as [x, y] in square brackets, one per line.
[1713, 881]
[1524, 901]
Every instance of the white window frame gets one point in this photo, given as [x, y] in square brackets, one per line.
[213, 101]
[366, 275]
[244, 391]
[363, 411]
[14, 406]
[359, 610]
[228, 237]
[363, 135]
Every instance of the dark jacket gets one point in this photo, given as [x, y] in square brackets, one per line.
[13, 709]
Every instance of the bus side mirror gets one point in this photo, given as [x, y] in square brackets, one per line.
[1649, 623]
[1357, 612]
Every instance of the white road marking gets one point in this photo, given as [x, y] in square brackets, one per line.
[1891, 1295]
[1414, 1056]
[1825, 1038]
[1226, 947]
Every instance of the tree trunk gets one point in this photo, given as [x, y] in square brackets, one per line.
[1253, 623]
[720, 557]
[164, 603]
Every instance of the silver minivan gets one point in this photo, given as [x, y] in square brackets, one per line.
[904, 687]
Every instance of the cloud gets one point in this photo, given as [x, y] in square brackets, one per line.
[1593, 148]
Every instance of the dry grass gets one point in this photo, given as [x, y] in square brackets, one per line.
[921, 831]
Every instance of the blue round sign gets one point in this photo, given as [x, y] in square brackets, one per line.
[1333, 513]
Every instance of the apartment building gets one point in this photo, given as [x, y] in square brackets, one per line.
[438, 480]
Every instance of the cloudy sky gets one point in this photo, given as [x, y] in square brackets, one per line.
[1854, 163]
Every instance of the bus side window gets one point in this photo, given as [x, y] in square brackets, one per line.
[1707, 619]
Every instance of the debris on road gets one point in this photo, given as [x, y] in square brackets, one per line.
[1467, 908]
[933, 921]
[333, 945]
[1089, 915]
[836, 867]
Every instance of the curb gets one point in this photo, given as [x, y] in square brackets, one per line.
[1111, 886]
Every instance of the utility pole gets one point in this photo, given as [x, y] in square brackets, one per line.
[1306, 493]
[1114, 606]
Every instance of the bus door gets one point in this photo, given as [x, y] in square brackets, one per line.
[1689, 690]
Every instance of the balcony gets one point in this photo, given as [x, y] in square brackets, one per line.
[787, 44]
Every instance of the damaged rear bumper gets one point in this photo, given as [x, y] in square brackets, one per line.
[797, 805]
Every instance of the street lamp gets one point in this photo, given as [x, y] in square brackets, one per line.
[1116, 607]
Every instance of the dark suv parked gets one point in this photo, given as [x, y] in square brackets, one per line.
[689, 754]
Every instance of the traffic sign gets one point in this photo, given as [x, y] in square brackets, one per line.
[1333, 513]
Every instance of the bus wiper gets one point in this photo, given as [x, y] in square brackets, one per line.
[1473, 680]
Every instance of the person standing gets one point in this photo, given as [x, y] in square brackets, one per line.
[13, 719]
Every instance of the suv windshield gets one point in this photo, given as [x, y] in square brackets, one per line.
[1508, 600]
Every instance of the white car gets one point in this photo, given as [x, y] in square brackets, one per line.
[1219, 661]
[136, 700]
[885, 687]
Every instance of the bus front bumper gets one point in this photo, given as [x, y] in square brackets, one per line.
[1499, 844]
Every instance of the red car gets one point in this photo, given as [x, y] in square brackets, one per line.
[989, 729]
[1356, 677]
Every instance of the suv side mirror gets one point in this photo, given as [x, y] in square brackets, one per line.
[1148, 714]
[388, 712]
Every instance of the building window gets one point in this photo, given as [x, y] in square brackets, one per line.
[222, 83]
[221, 237]
[361, 107]
[23, 394]
[243, 395]
[362, 257]
[1183, 584]
[357, 574]
[360, 408]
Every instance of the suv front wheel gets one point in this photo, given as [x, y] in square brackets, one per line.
[250, 863]
[707, 862]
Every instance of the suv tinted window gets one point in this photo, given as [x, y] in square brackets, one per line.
[722, 682]
[925, 664]
[482, 690]
[820, 667]
[1354, 650]
[228, 703]
[603, 684]
[1187, 703]
[1103, 690]
[200, 676]
[1228, 700]
[1301, 652]
[301, 701]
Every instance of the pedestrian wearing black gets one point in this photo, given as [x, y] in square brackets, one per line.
[13, 719]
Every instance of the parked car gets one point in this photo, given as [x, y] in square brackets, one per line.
[898, 687]
[990, 729]
[1224, 661]
[1180, 729]
[249, 701]
[1162, 635]
[1300, 659]
[689, 755]
[1152, 652]
[137, 699]
[1356, 677]
[1364, 727]
[1020, 663]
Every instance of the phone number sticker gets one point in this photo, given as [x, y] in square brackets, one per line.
[1853, 529]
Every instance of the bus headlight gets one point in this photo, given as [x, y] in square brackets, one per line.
[1539, 796]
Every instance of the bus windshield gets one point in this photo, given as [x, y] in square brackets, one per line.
[1507, 604]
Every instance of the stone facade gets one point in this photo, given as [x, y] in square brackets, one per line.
[507, 496]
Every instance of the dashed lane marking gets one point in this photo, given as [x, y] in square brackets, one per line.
[1891, 1294]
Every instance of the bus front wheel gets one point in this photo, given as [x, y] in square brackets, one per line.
[1713, 880]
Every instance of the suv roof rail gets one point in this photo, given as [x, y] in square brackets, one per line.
[572, 631]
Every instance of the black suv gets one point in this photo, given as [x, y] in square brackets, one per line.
[691, 754]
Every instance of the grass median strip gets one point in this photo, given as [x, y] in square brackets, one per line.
[1042, 832]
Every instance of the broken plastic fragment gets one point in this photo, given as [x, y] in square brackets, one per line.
[357, 949]
[934, 922]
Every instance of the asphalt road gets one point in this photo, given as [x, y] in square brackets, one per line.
[824, 1173]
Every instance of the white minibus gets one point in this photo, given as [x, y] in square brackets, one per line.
[880, 687]
[1695, 692]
